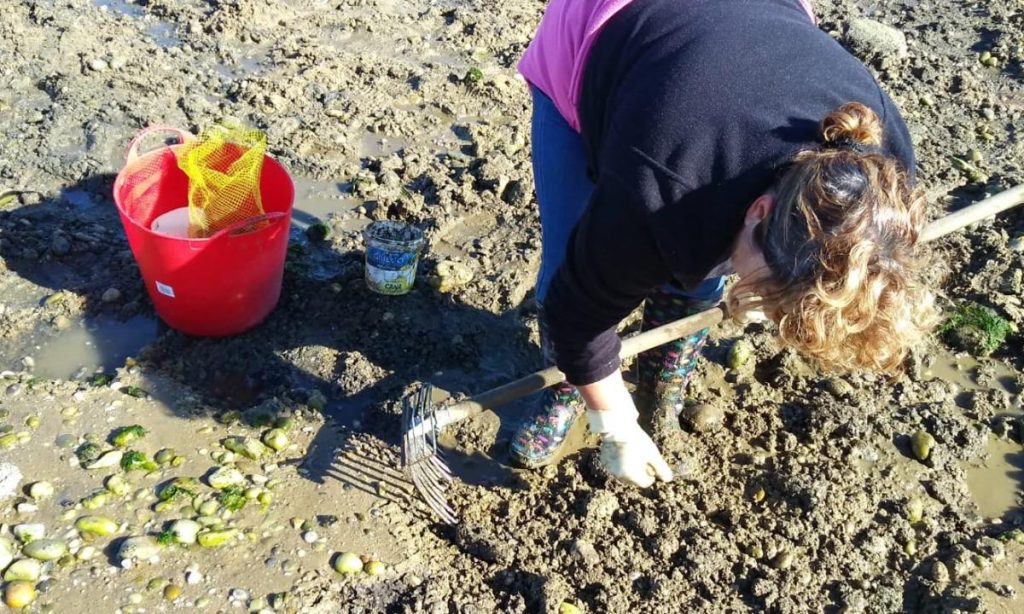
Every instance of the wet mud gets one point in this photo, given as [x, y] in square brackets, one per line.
[803, 495]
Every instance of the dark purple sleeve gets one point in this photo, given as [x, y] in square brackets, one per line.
[611, 265]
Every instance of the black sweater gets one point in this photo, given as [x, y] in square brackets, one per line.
[688, 109]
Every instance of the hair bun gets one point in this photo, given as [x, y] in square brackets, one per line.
[852, 122]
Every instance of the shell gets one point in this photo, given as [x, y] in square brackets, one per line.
[45, 549]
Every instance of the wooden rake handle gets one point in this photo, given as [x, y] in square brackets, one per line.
[636, 344]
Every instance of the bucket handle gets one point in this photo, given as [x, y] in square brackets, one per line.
[232, 230]
[133, 148]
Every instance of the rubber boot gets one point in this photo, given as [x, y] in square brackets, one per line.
[539, 440]
[664, 372]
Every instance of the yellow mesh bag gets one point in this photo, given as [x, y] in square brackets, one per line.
[223, 167]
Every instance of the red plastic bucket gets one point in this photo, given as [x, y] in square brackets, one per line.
[212, 287]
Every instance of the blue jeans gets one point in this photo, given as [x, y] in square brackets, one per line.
[564, 191]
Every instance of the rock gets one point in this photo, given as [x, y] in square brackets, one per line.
[992, 549]
[246, 446]
[19, 594]
[704, 418]
[6, 552]
[45, 549]
[141, 548]
[347, 562]
[585, 552]
[185, 530]
[111, 458]
[450, 275]
[921, 444]
[96, 525]
[740, 354]
[111, 295]
[28, 570]
[939, 572]
[600, 506]
[10, 478]
[225, 477]
[98, 65]
[870, 39]
[28, 532]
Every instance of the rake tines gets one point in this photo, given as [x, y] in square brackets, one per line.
[420, 455]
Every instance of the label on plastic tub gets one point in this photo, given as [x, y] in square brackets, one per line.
[390, 271]
[390, 282]
[389, 260]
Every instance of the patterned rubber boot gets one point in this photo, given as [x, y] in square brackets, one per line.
[665, 370]
[540, 438]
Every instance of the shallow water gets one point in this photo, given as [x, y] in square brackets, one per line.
[100, 344]
[996, 483]
[162, 33]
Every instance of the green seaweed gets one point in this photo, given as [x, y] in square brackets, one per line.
[976, 327]
[232, 498]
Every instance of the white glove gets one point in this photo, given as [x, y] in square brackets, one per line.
[627, 452]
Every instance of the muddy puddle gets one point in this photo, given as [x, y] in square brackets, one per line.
[996, 482]
[86, 347]
[161, 32]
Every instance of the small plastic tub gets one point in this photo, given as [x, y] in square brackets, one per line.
[392, 254]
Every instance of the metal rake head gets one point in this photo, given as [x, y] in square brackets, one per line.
[420, 456]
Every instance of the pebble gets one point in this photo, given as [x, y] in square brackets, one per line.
[921, 444]
[142, 548]
[193, 576]
[310, 536]
[10, 478]
[869, 39]
[783, 560]
[111, 295]
[98, 65]
[601, 505]
[585, 552]
[172, 592]
[238, 595]
[704, 418]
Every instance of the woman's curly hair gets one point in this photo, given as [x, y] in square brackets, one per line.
[843, 283]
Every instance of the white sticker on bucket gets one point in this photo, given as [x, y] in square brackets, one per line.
[165, 289]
